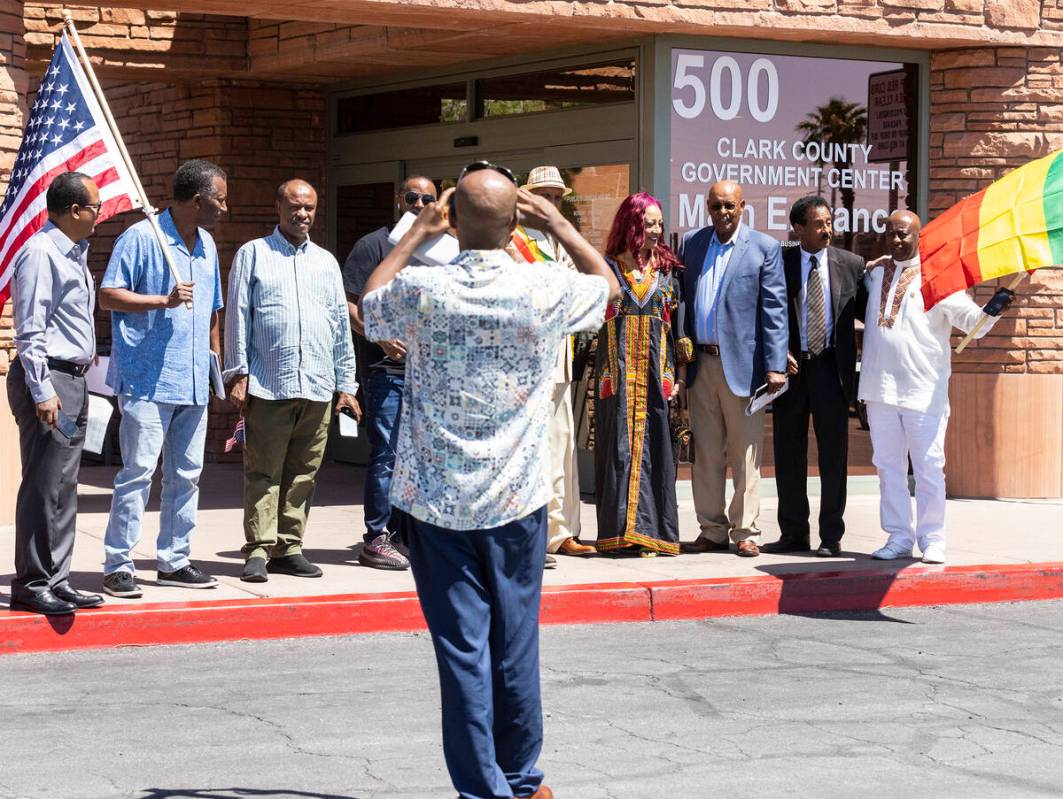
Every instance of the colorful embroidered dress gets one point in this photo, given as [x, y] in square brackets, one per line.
[634, 373]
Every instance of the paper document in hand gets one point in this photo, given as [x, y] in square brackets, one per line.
[96, 377]
[99, 416]
[761, 397]
[348, 426]
[216, 382]
[435, 252]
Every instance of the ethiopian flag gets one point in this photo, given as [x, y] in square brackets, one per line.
[528, 247]
[1012, 225]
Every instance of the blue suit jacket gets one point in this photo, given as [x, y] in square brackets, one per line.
[751, 315]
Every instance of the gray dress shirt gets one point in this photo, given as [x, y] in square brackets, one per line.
[286, 322]
[54, 296]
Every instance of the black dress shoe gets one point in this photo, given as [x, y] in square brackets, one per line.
[784, 545]
[295, 565]
[44, 602]
[829, 550]
[76, 598]
[255, 571]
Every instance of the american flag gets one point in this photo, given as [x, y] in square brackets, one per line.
[238, 438]
[66, 132]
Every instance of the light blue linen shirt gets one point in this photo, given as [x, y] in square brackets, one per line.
[286, 322]
[163, 355]
[481, 335]
[712, 272]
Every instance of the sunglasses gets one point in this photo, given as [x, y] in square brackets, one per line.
[411, 198]
[478, 166]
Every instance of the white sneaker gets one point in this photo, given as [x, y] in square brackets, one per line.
[892, 551]
[934, 552]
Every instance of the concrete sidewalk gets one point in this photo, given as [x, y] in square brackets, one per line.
[981, 534]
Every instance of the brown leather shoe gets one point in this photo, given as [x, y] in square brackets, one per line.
[748, 549]
[570, 546]
[702, 544]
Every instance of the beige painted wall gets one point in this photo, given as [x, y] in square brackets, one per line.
[10, 468]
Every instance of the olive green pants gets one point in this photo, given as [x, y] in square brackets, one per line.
[285, 441]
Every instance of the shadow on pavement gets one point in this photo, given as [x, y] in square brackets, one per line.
[805, 592]
[233, 793]
[221, 487]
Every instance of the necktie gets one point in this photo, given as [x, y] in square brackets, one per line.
[815, 318]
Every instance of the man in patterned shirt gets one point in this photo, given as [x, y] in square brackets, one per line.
[481, 336]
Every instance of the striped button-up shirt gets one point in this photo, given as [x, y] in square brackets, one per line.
[54, 298]
[709, 283]
[286, 322]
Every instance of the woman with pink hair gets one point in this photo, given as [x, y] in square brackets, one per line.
[636, 379]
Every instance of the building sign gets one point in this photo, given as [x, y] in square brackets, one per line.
[782, 127]
[888, 115]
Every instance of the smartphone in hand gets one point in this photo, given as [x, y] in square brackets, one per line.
[65, 425]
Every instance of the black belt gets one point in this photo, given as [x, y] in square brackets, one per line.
[808, 356]
[69, 367]
[709, 349]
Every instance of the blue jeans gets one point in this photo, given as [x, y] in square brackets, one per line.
[479, 592]
[383, 400]
[149, 429]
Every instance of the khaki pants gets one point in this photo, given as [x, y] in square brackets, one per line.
[724, 436]
[563, 507]
[285, 443]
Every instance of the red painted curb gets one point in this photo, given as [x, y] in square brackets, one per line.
[819, 592]
[348, 614]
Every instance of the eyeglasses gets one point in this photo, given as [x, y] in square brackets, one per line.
[94, 206]
[411, 198]
[478, 166]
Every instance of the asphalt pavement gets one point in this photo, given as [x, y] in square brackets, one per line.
[964, 701]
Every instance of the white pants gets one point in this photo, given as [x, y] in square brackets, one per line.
[563, 507]
[896, 434]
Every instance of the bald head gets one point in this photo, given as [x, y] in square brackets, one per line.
[296, 205]
[725, 208]
[902, 235]
[485, 210]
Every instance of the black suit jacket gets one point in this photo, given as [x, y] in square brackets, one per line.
[848, 303]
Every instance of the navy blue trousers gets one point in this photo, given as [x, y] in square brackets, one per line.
[479, 592]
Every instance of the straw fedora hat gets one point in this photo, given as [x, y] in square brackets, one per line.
[546, 177]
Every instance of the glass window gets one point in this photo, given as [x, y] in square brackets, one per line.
[784, 127]
[424, 105]
[597, 191]
[556, 90]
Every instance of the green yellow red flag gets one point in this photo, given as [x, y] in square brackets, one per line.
[528, 247]
[1012, 225]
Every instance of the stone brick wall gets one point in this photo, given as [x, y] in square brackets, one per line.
[991, 110]
[12, 109]
[126, 40]
[260, 134]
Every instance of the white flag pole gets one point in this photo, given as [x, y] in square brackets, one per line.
[148, 209]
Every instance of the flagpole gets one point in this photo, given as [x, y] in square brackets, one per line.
[1014, 284]
[148, 209]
